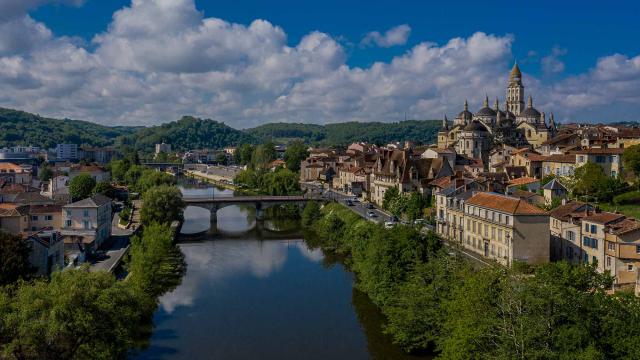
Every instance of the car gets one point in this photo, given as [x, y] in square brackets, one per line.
[371, 214]
[356, 200]
[349, 203]
[394, 218]
[405, 223]
[370, 206]
[389, 224]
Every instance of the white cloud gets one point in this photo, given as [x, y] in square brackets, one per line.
[161, 59]
[395, 36]
[551, 64]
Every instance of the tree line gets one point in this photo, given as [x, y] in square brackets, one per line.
[437, 302]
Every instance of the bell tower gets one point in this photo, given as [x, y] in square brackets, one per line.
[515, 91]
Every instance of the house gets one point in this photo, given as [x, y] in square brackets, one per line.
[622, 251]
[14, 218]
[523, 183]
[554, 189]
[609, 159]
[506, 229]
[559, 165]
[12, 173]
[87, 222]
[397, 168]
[47, 252]
[45, 217]
[57, 188]
[448, 154]
[98, 173]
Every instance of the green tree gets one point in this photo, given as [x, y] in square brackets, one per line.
[162, 204]
[263, 154]
[14, 259]
[296, 152]
[81, 186]
[244, 154]
[389, 196]
[280, 182]
[119, 169]
[132, 175]
[221, 158]
[149, 179]
[592, 182]
[105, 188]
[45, 173]
[415, 205]
[631, 159]
[311, 213]
[77, 315]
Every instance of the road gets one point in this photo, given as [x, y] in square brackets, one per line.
[115, 248]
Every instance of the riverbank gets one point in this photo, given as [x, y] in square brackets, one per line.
[435, 302]
[216, 180]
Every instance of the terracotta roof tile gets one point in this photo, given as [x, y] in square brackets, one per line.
[523, 181]
[505, 203]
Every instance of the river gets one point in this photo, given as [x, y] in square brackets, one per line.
[262, 294]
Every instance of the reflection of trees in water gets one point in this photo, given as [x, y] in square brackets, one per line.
[372, 322]
[282, 218]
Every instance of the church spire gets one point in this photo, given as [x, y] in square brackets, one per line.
[496, 105]
[530, 102]
[466, 105]
[486, 100]
[445, 123]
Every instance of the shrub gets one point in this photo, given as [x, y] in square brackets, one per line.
[632, 197]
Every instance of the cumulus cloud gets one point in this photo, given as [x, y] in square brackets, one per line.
[393, 37]
[551, 64]
[161, 59]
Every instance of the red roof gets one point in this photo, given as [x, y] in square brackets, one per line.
[504, 203]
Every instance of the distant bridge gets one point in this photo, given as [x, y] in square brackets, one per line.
[213, 204]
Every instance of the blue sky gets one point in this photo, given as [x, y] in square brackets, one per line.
[566, 50]
[587, 30]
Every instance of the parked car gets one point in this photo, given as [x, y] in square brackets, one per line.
[371, 214]
[349, 203]
[389, 224]
[370, 206]
[394, 218]
[356, 200]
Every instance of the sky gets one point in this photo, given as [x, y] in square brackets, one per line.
[249, 62]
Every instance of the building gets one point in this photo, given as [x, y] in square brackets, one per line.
[47, 252]
[87, 222]
[16, 174]
[472, 134]
[495, 226]
[67, 152]
[98, 173]
[45, 217]
[559, 165]
[57, 188]
[554, 190]
[163, 148]
[100, 155]
[14, 218]
[523, 183]
[609, 159]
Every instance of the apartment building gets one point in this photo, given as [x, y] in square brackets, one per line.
[495, 226]
[67, 151]
[87, 222]
[609, 159]
[14, 174]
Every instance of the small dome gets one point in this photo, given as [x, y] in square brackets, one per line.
[530, 112]
[465, 115]
[486, 111]
[475, 126]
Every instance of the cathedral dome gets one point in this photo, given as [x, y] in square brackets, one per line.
[530, 113]
[475, 126]
[486, 111]
[465, 115]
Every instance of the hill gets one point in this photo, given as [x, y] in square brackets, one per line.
[187, 133]
[22, 128]
[341, 134]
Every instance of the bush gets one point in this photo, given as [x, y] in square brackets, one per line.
[632, 197]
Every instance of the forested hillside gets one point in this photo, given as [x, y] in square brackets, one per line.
[187, 133]
[22, 128]
[341, 134]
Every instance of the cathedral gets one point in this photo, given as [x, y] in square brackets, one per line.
[474, 134]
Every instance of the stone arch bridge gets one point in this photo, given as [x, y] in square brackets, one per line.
[261, 203]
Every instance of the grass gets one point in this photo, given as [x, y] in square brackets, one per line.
[631, 210]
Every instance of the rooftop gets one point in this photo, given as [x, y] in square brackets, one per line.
[504, 203]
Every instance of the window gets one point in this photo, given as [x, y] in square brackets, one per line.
[506, 220]
[48, 217]
[86, 213]
[585, 257]
[637, 249]
[594, 243]
[611, 246]
[474, 226]
[571, 235]
[586, 227]
[500, 235]
[68, 212]
[468, 224]
[493, 232]
[608, 261]
[68, 223]
[34, 218]
[586, 241]
[594, 260]
[629, 267]
[86, 224]
[594, 229]
[486, 230]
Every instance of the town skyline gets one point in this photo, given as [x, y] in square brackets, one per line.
[247, 69]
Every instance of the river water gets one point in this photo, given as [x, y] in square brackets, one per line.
[261, 294]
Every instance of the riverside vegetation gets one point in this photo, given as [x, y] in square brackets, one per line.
[435, 302]
[78, 314]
